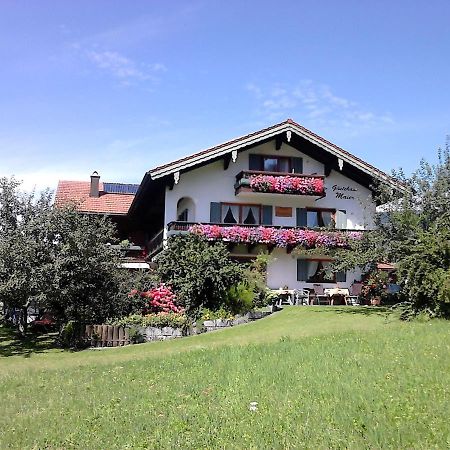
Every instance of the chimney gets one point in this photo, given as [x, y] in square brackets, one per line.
[95, 182]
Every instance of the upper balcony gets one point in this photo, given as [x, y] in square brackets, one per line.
[250, 183]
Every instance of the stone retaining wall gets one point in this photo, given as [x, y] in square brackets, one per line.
[160, 334]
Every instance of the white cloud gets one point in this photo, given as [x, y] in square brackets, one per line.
[123, 68]
[315, 105]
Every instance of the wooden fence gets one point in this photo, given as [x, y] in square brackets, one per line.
[106, 335]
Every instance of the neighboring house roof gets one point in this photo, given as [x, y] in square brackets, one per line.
[116, 202]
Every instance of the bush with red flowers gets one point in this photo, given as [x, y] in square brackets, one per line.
[160, 299]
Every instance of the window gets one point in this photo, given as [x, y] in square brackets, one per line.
[320, 218]
[320, 272]
[236, 213]
[183, 216]
[276, 164]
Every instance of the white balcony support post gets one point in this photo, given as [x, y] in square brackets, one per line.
[165, 233]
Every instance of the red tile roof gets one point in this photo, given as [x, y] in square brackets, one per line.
[78, 192]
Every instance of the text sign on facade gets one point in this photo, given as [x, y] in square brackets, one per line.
[282, 211]
[344, 192]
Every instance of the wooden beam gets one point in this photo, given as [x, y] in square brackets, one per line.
[226, 161]
[278, 142]
[328, 169]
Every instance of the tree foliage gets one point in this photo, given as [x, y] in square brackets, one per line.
[200, 272]
[58, 258]
[413, 231]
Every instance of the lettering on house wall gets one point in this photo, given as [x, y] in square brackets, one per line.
[344, 192]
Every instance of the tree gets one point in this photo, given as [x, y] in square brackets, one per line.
[84, 270]
[413, 231]
[58, 258]
[24, 246]
[200, 272]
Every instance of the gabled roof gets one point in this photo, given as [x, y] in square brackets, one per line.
[333, 156]
[253, 138]
[106, 203]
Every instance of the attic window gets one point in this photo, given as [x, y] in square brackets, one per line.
[273, 164]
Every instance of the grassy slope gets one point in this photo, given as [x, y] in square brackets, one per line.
[322, 377]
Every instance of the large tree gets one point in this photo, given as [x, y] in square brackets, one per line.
[57, 257]
[413, 231]
[24, 246]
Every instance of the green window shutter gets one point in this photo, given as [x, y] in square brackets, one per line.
[301, 217]
[267, 213]
[297, 165]
[215, 212]
[302, 269]
[341, 219]
[254, 162]
[341, 277]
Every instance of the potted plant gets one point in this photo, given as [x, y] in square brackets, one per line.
[374, 287]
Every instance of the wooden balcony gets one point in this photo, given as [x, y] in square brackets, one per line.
[253, 183]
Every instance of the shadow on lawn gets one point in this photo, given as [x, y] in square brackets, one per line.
[12, 345]
[359, 310]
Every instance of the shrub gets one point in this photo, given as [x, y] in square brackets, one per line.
[158, 299]
[221, 313]
[71, 335]
[199, 272]
[157, 320]
[135, 335]
[240, 298]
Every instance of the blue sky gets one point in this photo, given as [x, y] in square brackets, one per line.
[121, 87]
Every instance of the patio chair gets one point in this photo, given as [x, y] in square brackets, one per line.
[355, 292]
[319, 294]
[301, 297]
[284, 298]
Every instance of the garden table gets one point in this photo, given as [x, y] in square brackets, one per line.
[284, 295]
[335, 293]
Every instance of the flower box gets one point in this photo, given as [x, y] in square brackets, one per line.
[279, 237]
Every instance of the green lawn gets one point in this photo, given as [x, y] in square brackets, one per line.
[323, 377]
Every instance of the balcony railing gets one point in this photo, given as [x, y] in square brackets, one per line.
[279, 183]
[156, 243]
[276, 236]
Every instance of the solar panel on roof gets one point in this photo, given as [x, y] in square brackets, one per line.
[120, 188]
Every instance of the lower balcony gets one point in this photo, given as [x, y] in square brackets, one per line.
[251, 183]
[251, 235]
